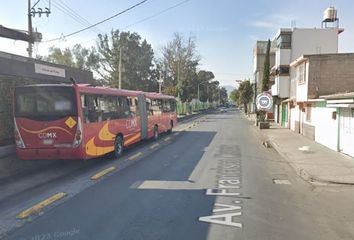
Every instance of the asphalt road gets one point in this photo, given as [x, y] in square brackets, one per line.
[212, 181]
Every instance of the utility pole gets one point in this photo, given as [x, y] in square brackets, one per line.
[120, 69]
[178, 73]
[29, 14]
[160, 81]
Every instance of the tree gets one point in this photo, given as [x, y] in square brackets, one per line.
[265, 80]
[223, 95]
[77, 57]
[138, 71]
[179, 67]
[56, 55]
[246, 93]
[203, 80]
[235, 96]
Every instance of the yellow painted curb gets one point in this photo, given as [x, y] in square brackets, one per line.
[135, 156]
[154, 146]
[102, 173]
[39, 206]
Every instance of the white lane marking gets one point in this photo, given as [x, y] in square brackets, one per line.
[221, 192]
[226, 207]
[224, 219]
[168, 185]
[281, 181]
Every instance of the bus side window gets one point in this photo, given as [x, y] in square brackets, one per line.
[93, 108]
[84, 108]
[137, 112]
[166, 106]
[133, 106]
[173, 105]
[126, 107]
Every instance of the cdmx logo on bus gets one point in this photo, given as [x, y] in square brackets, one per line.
[47, 135]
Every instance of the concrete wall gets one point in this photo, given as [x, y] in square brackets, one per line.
[259, 53]
[294, 118]
[282, 86]
[282, 57]
[329, 74]
[314, 41]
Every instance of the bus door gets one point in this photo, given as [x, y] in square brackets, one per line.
[143, 116]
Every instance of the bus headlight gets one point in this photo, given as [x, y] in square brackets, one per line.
[18, 138]
[78, 134]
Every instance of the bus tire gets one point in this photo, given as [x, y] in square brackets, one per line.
[118, 146]
[171, 127]
[156, 133]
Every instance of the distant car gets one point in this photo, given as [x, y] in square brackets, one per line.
[223, 109]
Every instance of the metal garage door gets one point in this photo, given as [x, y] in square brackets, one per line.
[347, 131]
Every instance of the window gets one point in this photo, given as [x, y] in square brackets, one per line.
[154, 106]
[283, 70]
[284, 40]
[300, 73]
[173, 105]
[133, 104]
[97, 108]
[169, 105]
[45, 103]
[166, 106]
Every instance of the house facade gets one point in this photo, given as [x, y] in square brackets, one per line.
[259, 54]
[320, 106]
[291, 43]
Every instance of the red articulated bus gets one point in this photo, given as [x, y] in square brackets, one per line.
[81, 121]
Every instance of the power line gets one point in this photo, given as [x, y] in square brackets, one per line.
[144, 19]
[156, 14]
[98, 23]
[63, 10]
[83, 20]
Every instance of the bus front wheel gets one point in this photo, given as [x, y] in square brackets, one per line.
[118, 146]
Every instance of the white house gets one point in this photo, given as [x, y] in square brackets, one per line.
[319, 106]
[291, 44]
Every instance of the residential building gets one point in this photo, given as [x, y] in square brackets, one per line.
[319, 105]
[291, 43]
[343, 105]
[259, 54]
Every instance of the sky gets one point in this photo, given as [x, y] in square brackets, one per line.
[225, 31]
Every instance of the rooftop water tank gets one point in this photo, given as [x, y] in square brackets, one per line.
[330, 15]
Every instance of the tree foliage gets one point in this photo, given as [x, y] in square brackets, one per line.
[245, 93]
[265, 80]
[179, 67]
[138, 71]
[235, 96]
[77, 57]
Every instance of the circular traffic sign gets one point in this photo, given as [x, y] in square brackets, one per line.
[264, 102]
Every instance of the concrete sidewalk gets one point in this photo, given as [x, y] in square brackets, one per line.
[319, 165]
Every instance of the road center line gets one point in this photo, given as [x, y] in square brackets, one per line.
[154, 146]
[135, 156]
[102, 173]
[39, 206]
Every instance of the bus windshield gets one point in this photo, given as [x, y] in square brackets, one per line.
[45, 102]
